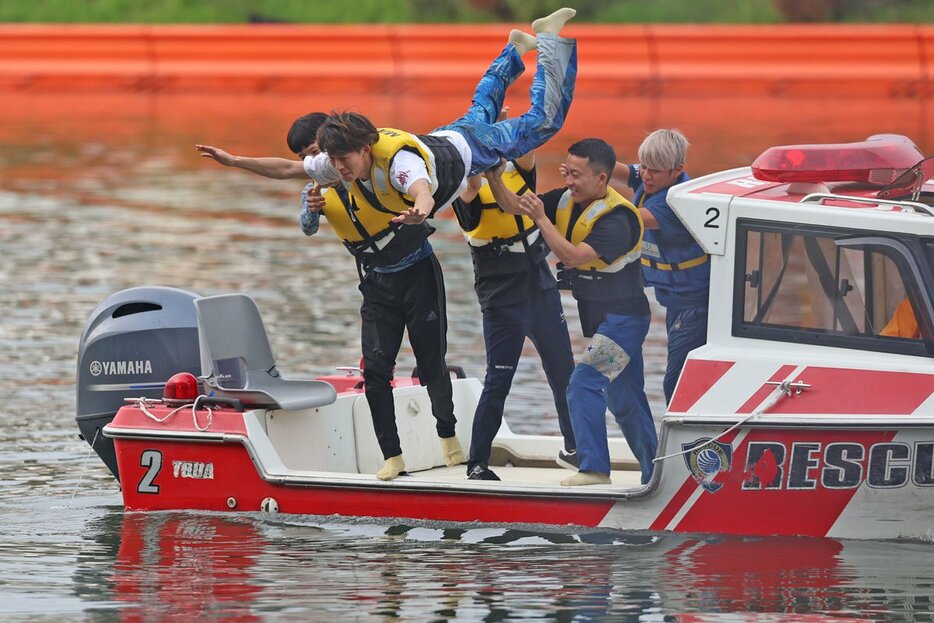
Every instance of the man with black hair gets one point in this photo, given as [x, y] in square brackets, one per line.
[398, 293]
[518, 298]
[396, 180]
[597, 236]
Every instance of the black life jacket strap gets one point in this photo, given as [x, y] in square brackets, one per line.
[373, 200]
[449, 168]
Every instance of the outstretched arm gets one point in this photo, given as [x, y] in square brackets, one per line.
[276, 168]
[571, 255]
[424, 203]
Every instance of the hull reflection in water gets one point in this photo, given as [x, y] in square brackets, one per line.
[198, 566]
[187, 567]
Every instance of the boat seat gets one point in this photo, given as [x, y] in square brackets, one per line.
[237, 360]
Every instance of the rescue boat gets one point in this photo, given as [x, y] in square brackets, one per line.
[810, 411]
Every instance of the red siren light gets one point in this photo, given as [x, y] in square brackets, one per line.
[181, 388]
[878, 160]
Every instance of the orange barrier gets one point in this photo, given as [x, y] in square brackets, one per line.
[615, 60]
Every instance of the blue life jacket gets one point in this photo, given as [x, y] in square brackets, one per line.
[672, 261]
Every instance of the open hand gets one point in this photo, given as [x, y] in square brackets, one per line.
[411, 216]
[216, 153]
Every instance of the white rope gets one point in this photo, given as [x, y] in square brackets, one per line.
[85, 464]
[143, 404]
[194, 414]
[781, 390]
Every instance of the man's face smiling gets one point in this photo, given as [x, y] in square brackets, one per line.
[585, 184]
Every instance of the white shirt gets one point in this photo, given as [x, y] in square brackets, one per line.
[405, 170]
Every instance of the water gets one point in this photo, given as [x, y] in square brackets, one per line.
[100, 194]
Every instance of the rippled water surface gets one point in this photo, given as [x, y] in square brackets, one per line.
[93, 201]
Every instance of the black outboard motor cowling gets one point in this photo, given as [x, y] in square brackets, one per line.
[133, 342]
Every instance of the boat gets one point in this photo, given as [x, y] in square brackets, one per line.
[808, 412]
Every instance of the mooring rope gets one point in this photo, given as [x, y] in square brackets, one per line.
[85, 464]
[781, 390]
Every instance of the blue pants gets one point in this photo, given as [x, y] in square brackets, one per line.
[687, 330]
[541, 318]
[551, 95]
[610, 375]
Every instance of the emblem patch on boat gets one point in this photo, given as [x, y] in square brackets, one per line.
[705, 459]
[193, 469]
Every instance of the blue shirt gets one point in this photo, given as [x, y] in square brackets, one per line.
[671, 243]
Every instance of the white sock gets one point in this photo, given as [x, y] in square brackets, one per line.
[393, 466]
[523, 41]
[555, 22]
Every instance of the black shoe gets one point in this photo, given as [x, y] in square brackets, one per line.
[568, 460]
[481, 472]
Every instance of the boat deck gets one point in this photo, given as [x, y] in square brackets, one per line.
[524, 476]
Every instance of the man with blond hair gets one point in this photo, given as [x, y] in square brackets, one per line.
[672, 261]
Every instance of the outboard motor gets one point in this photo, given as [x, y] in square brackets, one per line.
[132, 343]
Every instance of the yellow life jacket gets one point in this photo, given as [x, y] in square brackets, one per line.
[374, 222]
[579, 230]
[442, 160]
[493, 223]
[338, 217]
[369, 234]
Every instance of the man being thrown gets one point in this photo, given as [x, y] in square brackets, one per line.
[597, 236]
[395, 294]
[396, 180]
[412, 176]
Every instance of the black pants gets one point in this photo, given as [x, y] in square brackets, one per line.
[505, 328]
[411, 299]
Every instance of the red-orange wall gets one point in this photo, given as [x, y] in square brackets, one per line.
[734, 90]
[890, 60]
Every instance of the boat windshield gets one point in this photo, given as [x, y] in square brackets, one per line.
[826, 287]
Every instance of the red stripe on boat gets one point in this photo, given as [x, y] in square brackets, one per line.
[698, 376]
[679, 499]
[763, 392]
[863, 392]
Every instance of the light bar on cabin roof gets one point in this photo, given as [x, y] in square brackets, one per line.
[878, 160]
